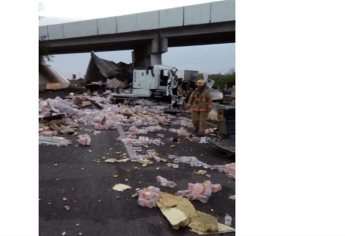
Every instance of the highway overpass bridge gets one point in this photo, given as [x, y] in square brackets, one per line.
[148, 34]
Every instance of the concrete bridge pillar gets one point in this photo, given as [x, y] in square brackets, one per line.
[151, 53]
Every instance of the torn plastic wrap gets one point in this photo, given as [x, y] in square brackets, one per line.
[48, 133]
[84, 139]
[172, 165]
[133, 130]
[182, 121]
[165, 182]
[108, 118]
[210, 130]
[153, 154]
[180, 132]
[55, 140]
[44, 108]
[190, 160]
[141, 141]
[60, 105]
[149, 196]
[200, 191]
[228, 169]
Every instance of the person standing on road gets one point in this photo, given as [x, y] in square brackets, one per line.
[181, 96]
[200, 104]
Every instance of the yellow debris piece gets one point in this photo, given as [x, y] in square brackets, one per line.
[221, 229]
[204, 222]
[114, 160]
[110, 160]
[121, 187]
[175, 217]
[201, 172]
[180, 212]
[145, 162]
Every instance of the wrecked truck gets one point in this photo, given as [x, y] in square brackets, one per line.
[128, 81]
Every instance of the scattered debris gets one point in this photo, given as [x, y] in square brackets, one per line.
[145, 162]
[180, 212]
[191, 160]
[96, 132]
[141, 141]
[138, 120]
[84, 139]
[203, 140]
[201, 172]
[114, 160]
[172, 165]
[228, 169]
[148, 197]
[164, 182]
[200, 191]
[227, 219]
[121, 187]
[55, 140]
[221, 230]
[177, 210]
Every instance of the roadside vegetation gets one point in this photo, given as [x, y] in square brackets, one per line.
[220, 80]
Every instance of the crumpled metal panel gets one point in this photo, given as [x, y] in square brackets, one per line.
[101, 70]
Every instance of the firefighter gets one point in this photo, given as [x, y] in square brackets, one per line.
[200, 104]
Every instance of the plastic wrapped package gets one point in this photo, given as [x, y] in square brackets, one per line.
[44, 108]
[213, 115]
[200, 191]
[165, 182]
[133, 130]
[210, 130]
[84, 139]
[228, 169]
[148, 197]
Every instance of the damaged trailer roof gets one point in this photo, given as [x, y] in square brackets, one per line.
[101, 70]
[50, 78]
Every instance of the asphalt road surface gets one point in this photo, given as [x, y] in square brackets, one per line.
[76, 195]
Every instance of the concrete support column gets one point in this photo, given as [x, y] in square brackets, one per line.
[151, 53]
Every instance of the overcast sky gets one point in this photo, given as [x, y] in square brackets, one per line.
[217, 58]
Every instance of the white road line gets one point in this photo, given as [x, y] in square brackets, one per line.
[129, 148]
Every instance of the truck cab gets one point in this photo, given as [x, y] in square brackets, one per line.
[156, 81]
